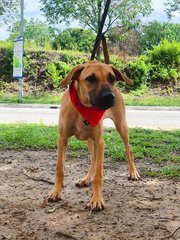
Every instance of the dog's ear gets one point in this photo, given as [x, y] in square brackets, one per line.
[121, 77]
[72, 75]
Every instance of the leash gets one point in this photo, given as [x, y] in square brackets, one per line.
[105, 50]
[100, 36]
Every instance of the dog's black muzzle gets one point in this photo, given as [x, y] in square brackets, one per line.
[105, 100]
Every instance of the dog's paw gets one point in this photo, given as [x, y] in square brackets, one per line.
[53, 197]
[96, 204]
[134, 175]
[82, 183]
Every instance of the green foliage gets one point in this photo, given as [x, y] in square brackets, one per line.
[74, 58]
[138, 70]
[35, 66]
[167, 53]
[159, 65]
[154, 32]
[123, 40]
[116, 62]
[88, 13]
[53, 73]
[75, 39]
[64, 69]
[8, 11]
[32, 67]
[57, 71]
[36, 32]
[164, 60]
[45, 69]
[6, 58]
[172, 7]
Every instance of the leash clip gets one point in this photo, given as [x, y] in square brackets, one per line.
[86, 122]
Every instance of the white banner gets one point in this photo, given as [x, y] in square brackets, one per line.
[18, 58]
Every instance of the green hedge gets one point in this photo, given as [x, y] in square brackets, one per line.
[159, 65]
[164, 60]
[45, 69]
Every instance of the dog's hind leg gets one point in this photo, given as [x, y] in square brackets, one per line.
[55, 194]
[85, 182]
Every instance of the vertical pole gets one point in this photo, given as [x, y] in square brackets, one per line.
[22, 35]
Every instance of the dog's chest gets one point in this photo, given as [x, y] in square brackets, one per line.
[82, 131]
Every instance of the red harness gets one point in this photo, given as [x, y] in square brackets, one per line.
[92, 115]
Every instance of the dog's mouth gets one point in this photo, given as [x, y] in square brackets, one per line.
[105, 100]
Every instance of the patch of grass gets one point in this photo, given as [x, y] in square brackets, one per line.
[170, 170]
[152, 145]
[21, 136]
[6, 97]
[161, 148]
[151, 100]
[34, 136]
[46, 98]
[55, 98]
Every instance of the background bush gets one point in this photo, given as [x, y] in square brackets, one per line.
[56, 71]
[75, 39]
[138, 70]
[154, 32]
[159, 66]
[45, 69]
[6, 63]
[165, 62]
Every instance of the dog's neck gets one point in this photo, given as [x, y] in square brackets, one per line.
[91, 115]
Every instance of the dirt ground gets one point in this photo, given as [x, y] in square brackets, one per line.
[143, 210]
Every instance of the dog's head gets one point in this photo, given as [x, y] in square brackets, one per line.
[96, 82]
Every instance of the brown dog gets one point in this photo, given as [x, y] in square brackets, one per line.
[94, 84]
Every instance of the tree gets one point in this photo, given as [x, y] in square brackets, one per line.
[88, 12]
[8, 10]
[153, 33]
[34, 31]
[74, 39]
[172, 7]
[123, 42]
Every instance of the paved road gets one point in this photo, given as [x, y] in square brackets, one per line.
[157, 118]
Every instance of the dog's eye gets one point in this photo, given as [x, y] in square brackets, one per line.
[111, 78]
[91, 79]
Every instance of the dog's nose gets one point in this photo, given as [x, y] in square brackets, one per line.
[105, 100]
[108, 96]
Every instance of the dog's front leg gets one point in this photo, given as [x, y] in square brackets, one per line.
[84, 182]
[96, 202]
[55, 194]
[133, 173]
